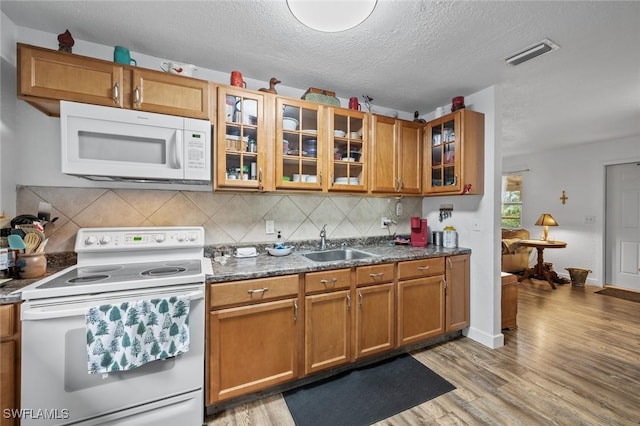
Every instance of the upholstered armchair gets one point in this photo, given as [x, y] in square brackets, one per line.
[515, 258]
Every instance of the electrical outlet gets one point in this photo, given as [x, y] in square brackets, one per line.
[399, 209]
[269, 227]
[384, 221]
[590, 219]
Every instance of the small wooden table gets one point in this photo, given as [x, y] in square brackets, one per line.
[540, 271]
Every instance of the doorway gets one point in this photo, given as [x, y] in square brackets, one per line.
[622, 233]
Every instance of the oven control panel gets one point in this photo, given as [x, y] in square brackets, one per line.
[142, 238]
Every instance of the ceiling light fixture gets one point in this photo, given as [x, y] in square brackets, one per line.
[531, 52]
[331, 16]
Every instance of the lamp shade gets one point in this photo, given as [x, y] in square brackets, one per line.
[546, 219]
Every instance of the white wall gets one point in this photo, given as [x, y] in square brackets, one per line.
[8, 102]
[485, 324]
[580, 172]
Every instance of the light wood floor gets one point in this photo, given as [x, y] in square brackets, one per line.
[573, 360]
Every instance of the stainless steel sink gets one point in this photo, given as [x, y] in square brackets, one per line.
[337, 254]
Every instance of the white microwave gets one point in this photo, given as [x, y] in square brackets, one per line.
[104, 143]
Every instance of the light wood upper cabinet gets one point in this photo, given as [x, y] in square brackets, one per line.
[47, 76]
[410, 157]
[396, 147]
[165, 93]
[383, 154]
[348, 136]
[243, 151]
[457, 292]
[454, 154]
[300, 145]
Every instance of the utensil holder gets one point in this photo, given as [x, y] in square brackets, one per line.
[31, 265]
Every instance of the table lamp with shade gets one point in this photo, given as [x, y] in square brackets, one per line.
[546, 220]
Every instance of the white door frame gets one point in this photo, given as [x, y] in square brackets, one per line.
[603, 223]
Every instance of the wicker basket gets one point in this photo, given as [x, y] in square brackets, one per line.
[578, 276]
[232, 144]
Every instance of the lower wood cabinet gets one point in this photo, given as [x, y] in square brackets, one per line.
[260, 335]
[9, 362]
[375, 319]
[421, 310]
[256, 346]
[327, 331]
[457, 292]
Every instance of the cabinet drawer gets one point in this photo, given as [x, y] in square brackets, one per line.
[374, 274]
[420, 268]
[7, 323]
[337, 279]
[248, 291]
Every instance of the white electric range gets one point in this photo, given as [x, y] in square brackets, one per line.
[116, 267]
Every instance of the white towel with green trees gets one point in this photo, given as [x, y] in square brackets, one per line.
[130, 334]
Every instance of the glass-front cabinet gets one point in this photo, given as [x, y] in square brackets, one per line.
[241, 144]
[348, 132]
[301, 136]
[454, 154]
[443, 156]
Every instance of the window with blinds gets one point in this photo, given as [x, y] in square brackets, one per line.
[511, 201]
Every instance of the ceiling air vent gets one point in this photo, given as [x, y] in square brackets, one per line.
[531, 52]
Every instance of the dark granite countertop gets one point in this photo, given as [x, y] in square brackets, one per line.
[263, 265]
[55, 263]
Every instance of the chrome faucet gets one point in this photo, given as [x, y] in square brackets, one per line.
[323, 237]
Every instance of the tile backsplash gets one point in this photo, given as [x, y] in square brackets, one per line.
[228, 218]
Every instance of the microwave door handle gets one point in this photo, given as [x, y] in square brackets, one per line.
[178, 150]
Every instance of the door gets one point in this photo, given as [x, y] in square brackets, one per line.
[252, 348]
[410, 157]
[457, 292]
[374, 319]
[622, 247]
[164, 93]
[420, 309]
[327, 330]
[384, 158]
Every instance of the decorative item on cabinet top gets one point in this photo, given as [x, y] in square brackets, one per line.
[65, 42]
[321, 96]
[272, 86]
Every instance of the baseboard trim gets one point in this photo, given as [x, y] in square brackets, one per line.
[488, 340]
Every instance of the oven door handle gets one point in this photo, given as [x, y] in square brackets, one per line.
[43, 313]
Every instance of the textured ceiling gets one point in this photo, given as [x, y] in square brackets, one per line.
[409, 55]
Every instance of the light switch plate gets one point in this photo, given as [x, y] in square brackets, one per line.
[269, 227]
